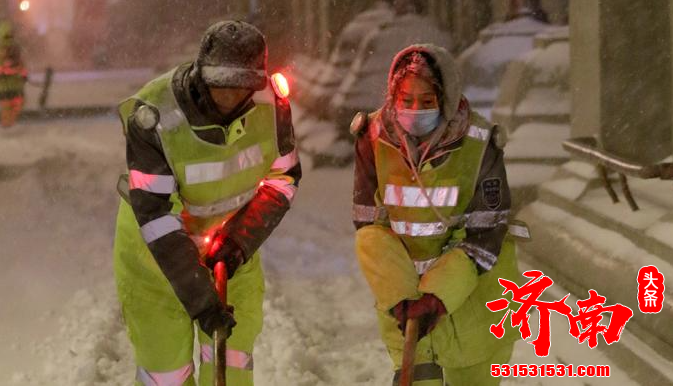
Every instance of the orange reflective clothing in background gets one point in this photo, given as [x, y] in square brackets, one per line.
[13, 76]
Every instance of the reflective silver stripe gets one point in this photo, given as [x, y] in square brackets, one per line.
[286, 162]
[160, 227]
[481, 256]
[154, 183]
[418, 228]
[220, 207]
[412, 196]
[485, 219]
[215, 171]
[519, 231]
[169, 378]
[479, 133]
[423, 266]
[239, 359]
[474, 220]
[235, 358]
[282, 186]
[207, 353]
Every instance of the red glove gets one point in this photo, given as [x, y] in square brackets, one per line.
[428, 309]
[244, 233]
[400, 313]
[225, 249]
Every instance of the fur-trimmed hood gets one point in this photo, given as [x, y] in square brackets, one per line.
[454, 109]
[446, 66]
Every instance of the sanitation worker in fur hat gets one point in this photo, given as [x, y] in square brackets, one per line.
[212, 170]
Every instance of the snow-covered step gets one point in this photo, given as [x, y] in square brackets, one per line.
[589, 251]
[632, 361]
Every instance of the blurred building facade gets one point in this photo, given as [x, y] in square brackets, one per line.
[43, 30]
[318, 22]
[95, 32]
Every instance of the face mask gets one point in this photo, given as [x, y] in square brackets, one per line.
[418, 122]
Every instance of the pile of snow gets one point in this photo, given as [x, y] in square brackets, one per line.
[536, 86]
[304, 71]
[322, 89]
[90, 346]
[521, 26]
[56, 236]
[65, 326]
[538, 141]
[483, 64]
[364, 86]
[320, 140]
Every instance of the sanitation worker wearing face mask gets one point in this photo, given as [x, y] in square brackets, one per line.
[212, 170]
[431, 205]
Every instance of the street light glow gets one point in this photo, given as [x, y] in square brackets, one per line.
[25, 5]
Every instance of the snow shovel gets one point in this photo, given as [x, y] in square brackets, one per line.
[409, 353]
[220, 336]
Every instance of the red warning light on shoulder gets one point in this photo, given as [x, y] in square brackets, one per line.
[280, 85]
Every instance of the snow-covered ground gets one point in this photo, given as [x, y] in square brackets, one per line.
[60, 322]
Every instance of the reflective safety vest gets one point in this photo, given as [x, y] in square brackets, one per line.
[449, 188]
[211, 181]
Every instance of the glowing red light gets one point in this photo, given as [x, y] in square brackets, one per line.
[280, 85]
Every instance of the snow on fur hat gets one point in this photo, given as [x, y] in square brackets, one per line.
[233, 54]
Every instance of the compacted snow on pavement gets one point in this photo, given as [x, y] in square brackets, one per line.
[60, 320]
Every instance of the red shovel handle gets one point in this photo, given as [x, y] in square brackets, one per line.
[409, 353]
[221, 281]
[220, 340]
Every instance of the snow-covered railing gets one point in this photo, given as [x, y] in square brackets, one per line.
[586, 148]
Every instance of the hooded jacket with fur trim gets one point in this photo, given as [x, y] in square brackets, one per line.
[492, 191]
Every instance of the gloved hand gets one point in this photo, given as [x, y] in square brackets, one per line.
[225, 249]
[211, 320]
[400, 313]
[428, 309]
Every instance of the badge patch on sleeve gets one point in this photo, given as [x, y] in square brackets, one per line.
[490, 190]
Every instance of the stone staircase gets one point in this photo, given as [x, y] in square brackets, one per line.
[584, 241]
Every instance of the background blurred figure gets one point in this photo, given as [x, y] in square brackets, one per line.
[13, 76]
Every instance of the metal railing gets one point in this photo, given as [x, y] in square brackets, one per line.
[587, 149]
